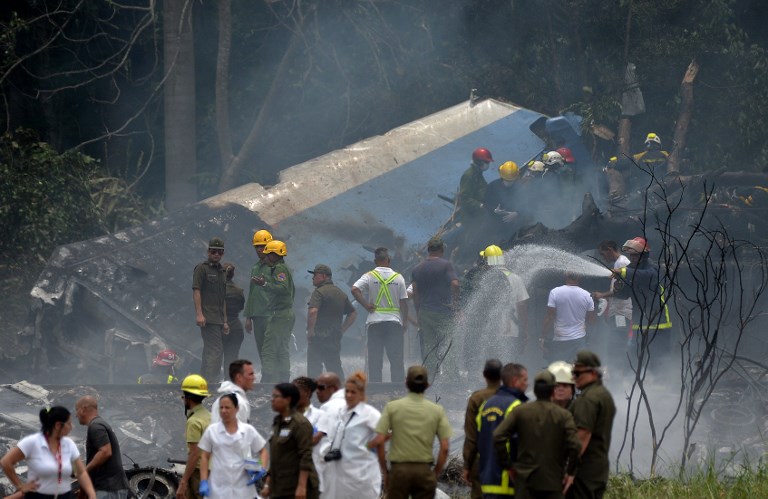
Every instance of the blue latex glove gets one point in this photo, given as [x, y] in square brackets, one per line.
[255, 476]
[314, 429]
[205, 489]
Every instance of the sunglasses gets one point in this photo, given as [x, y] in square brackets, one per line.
[576, 373]
[216, 251]
[322, 387]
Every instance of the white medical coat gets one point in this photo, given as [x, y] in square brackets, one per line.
[227, 478]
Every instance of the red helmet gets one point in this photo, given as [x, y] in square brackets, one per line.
[567, 155]
[638, 245]
[482, 154]
[165, 358]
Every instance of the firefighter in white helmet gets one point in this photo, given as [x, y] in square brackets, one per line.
[565, 389]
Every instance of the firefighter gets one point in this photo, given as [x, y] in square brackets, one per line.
[500, 198]
[653, 159]
[473, 186]
[277, 282]
[162, 371]
[256, 313]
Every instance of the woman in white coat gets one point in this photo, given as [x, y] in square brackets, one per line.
[355, 474]
[227, 445]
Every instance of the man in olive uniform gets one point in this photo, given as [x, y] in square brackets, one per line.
[411, 424]
[256, 312]
[278, 285]
[492, 375]
[209, 290]
[327, 307]
[593, 412]
[546, 441]
[235, 300]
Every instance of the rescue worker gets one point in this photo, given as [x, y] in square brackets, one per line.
[473, 185]
[382, 292]
[501, 198]
[241, 380]
[640, 281]
[235, 300]
[411, 425]
[567, 155]
[546, 441]
[277, 282]
[553, 162]
[515, 320]
[162, 371]
[615, 328]
[653, 158]
[471, 472]
[495, 480]
[209, 291]
[593, 412]
[328, 305]
[535, 169]
[195, 389]
[570, 309]
[565, 389]
[256, 311]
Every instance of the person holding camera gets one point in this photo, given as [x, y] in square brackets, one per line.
[352, 469]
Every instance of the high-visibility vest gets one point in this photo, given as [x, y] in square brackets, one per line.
[494, 416]
[384, 293]
[666, 324]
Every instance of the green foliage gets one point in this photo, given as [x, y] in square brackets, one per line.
[48, 199]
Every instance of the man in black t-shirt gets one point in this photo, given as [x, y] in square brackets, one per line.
[103, 462]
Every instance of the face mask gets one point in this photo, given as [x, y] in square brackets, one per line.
[508, 183]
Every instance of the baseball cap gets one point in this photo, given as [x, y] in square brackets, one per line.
[544, 376]
[417, 374]
[321, 269]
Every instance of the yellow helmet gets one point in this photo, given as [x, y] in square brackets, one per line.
[509, 171]
[275, 246]
[196, 385]
[493, 255]
[261, 237]
[652, 137]
[562, 372]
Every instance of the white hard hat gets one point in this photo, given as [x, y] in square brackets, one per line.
[562, 371]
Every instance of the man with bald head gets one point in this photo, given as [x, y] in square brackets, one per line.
[103, 460]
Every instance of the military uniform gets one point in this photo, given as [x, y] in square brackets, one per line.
[324, 347]
[594, 411]
[546, 441]
[290, 452]
[414, 422]
[469, 452]
[198, 419]
[211, 279]
[276, 363]
[494, 478]
[256, 308]
[235, 300]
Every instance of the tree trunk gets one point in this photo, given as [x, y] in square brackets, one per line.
[684, 120]
[625, 131]
[230, 173]
[179, 103]
[222, 83]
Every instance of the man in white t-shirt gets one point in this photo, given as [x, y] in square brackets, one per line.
[569, 309]
[617, 318]
[382, 292]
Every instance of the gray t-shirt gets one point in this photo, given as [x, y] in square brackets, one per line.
[433, 284]
[110, 476]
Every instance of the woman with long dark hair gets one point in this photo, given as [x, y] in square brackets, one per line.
[291, 470]
[229, 446]
[51, 458]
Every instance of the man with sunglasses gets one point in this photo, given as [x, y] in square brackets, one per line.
[593, 412]
[209, 291]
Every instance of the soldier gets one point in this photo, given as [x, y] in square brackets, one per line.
[593, 412]
[209, 289]
[327, 307]
[546, 441]
[235, 300]
[256, 312]
[492, 375]
[278, 285]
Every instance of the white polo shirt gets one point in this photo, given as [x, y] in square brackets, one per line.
[228, 478]
[44, 465]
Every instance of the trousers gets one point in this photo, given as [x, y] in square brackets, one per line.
[275, 356]
[324, 350]
[416, 480]
[438, 350]
[231, 343]
[213, 352]
[385, 335]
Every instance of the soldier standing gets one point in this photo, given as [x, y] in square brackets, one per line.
[209, 290]
[277, 282]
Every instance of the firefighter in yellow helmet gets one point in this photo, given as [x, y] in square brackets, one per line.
[653, 158]
[256, 312]
[500, 197]
[195, 389]
[277, 283]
